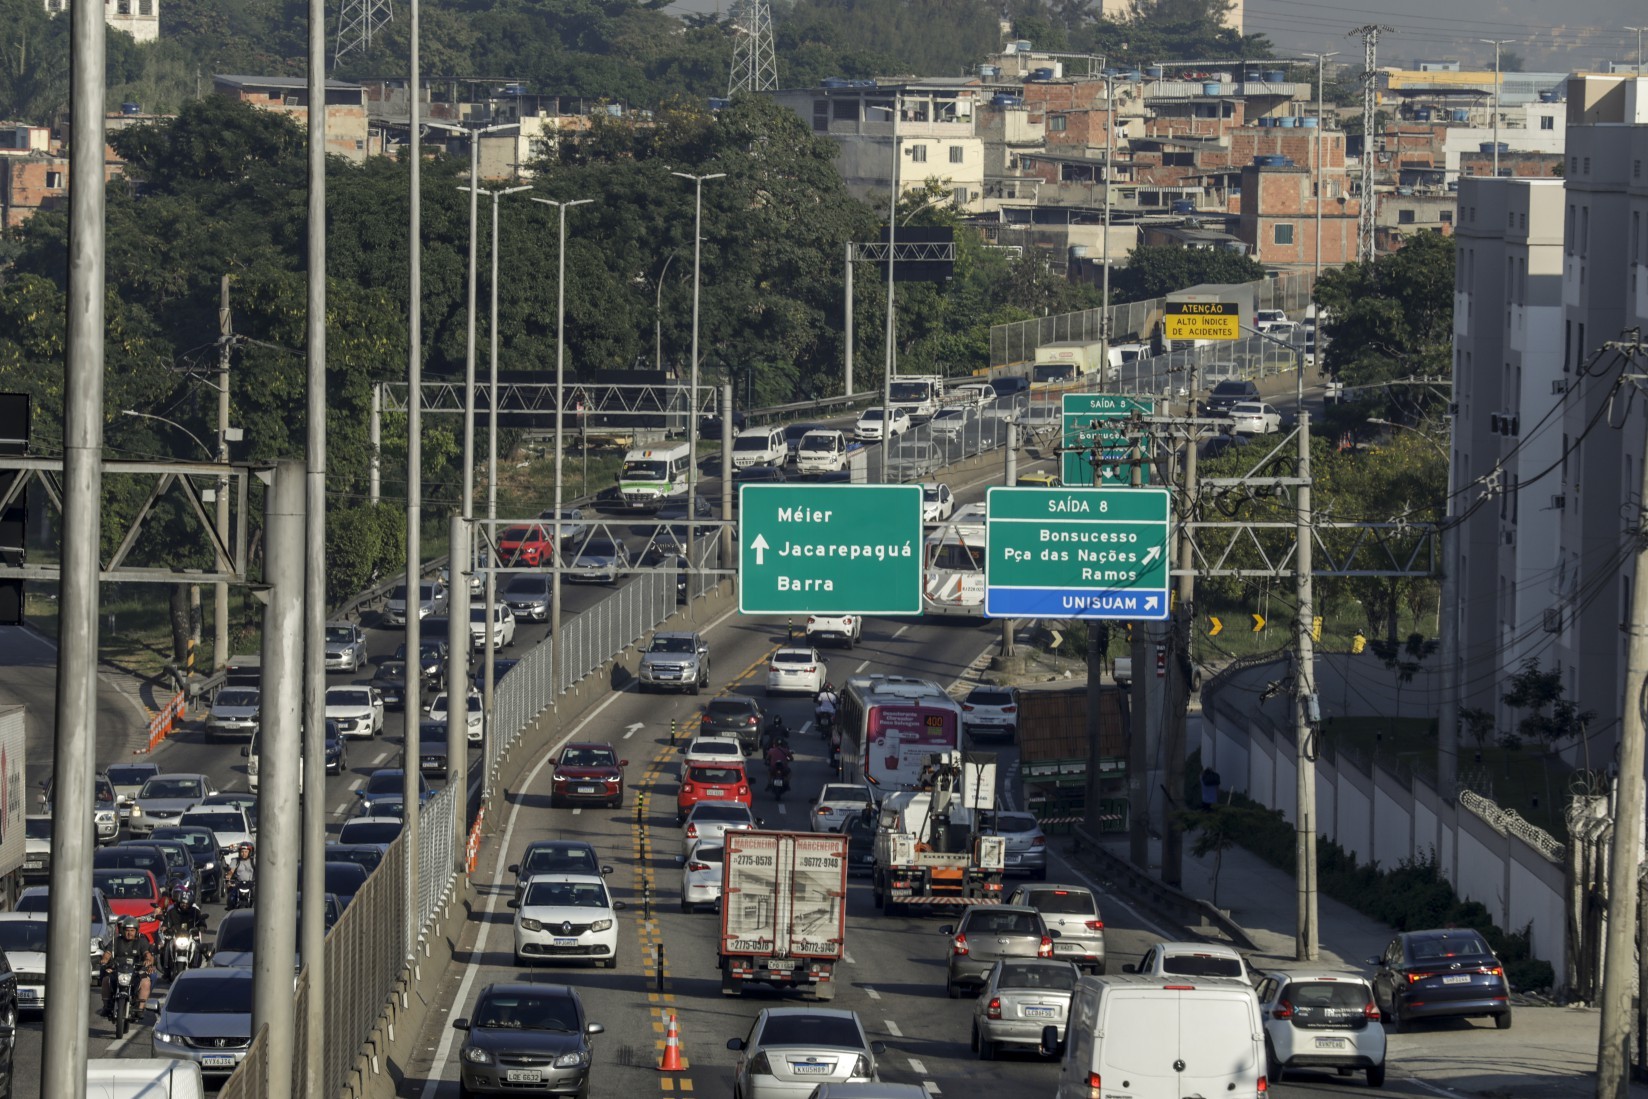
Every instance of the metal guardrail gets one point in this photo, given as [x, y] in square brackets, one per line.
[247, 1082]
[1168, 900]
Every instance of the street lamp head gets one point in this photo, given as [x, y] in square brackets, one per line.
[700, 179]
[558, 202]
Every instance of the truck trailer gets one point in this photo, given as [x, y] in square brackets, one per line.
[783, 911]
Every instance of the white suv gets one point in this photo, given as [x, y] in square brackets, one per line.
[845, 628]
[1321, 1021]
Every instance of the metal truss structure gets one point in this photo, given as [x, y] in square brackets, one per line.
[754, 63]
[359, 21]
[602, 400]
[175, 483]
[666, 538]
[905, 251]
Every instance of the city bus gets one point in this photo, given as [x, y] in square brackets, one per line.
[953, 564]
[890, 725]
[654, 474]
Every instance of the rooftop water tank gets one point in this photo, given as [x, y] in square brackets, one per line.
[1460, 114]
[1211, 87]
[1184, 206]
[1275, 76]
[1041, 74]
[1421, 114]
[1287, 122]
[1271, 160]
[1307, 121]
[1154, 72]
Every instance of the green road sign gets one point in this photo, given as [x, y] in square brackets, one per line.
[1108, 410]
[829, 549]
[1077, 552]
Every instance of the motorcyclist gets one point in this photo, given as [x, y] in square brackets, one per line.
[825, 706]
[184, 915]
[246, 868]
[778, 765]
[776, 732]
[129, 947]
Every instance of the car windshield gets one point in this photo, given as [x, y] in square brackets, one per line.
[386, 782]
[1063, 902]
[1201, 965]
[237, 696]
[1351, 994]
[344, 879]
[1454, 945]
[391, 669]
[871, 414]
[752, 442]
[20, 935]
[426, 591]
[836, 1031]
[218, 822]
[596, 547]
[527, 1011]
[367, 858]
[523, 584]
[929, 494]
[675, 644]
[130, 774]
[644, 471]
[171, 788]
[720, 813]
[559, 859]
[1059, 977]
[566, 894]
[518, 534]
[235, 935]
[785, 656]
[1247, 408]
[708, 853]
[588, 757]
[983, 696]
[209, 994]
[715, 776]
[797, 431]
[341, 635]
[1000, 923]
[195, 841]
[124, 885]
[1015, 822]
[837, 793]
[348, 696]
[729, 707]
[818, 442]
[910, 391]
[482, 615]
[1230, 389]
[951, 414]
[374, 831]
[37, 828]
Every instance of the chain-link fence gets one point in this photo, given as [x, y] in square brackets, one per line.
[437, 858]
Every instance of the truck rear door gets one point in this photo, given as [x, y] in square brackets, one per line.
[817, 893]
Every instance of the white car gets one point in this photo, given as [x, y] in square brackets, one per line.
[701, 876]
[938, 503]
[1204, 960]
[1263, 319]
[566, 916]
[845, 628]
[23, 938]
[574, 523]
[951, 423]
[1326, 1021]
[973, 394]
[1254, 418]
[230, 825]
[357, 710]
[437, 712]
[503, 627]
[990, 711]
[869, 425]
[710, 821]
[837, 803]
[713, 749]
[37, 845]
[796, 669]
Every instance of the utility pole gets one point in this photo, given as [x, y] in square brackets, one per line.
[692, 390]
[1495, 43]
[410, 740]
[1369, 34]
[1109, 181]
[1614, 1042]
[458, 645]
[374, 439]
[1307, 713]
[1320, 59]
[847, 302]
[726, 481]
[1639, 31]
[1175, 711]
[892, 249]
[220, 594]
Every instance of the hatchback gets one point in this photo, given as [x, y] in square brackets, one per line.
[789, 1051]
[358, 711]
[710, 821]
[528, 546]
[1431, 974]
[527, 596]
[1321, 1020]
[988, 934]
[1026, 844]
[389, 680]
[206, 1018]
[588, 773]
[556, 857]
[796, 669]
[1019, 999]
[345, 647]
[701, 876]
[127, 779]
[721, 781]
[526, 1036]
[713, 749]
[474, 718]
[734, 716]
[165, 798]
[1192, 960]
[234, 712]
[838, 803]
[599, 560]
[1073, 912]
[566, 916]
[989, 711]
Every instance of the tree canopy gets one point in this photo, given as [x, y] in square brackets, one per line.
[1155, 270]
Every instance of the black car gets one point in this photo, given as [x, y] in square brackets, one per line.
[343, 879]
[1228, 394]
[556, 857]
[538, 1025]
[1009, 385]
[500, 668]
[202, 845]
[432, 757]
[758, 475]
[390, 681]
[365, 855]
[1437, 974]
[432, 650]
[860, 831]
[710, 426]
[734, 716]
[337, 756]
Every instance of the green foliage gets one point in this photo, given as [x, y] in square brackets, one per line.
[363, 543]
[1155, 270]
[1547, 716]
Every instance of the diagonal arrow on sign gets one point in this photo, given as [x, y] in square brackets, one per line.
[1215, 627]
[1258, 622]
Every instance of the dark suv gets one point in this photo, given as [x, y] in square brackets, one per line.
[1226, 395]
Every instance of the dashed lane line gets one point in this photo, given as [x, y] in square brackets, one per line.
[917, 1067]
[892, 1028]
[870, 992]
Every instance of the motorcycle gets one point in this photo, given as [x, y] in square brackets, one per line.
[824, 720]
[183, 951]
[125, 1008]
[779, 784]
[775, 732]
[237, 894]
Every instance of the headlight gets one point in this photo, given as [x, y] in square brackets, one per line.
[475, 1055]
[601, 925]
[182, 941]
[572, 1060]
[162, 1036]
[530, 925]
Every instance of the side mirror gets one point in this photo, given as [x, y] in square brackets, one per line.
[1049, 1041]
[594, 1028]
[619, 906]
[512, 903]
[515, 869]
[735, 1043]
[1130, 968]
[246, 753]
[878, 1048]
[623, 763]
[606, 869]
[1375, 962]
[463, 1024]
[947, 929]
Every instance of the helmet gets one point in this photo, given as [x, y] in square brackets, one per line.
[246, 848]
[128, 923]
[183, 895]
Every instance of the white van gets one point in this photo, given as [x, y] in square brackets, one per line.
[1150, 1038]
[143, 1078]
[760, 446]
[823, 451]
[653, 474]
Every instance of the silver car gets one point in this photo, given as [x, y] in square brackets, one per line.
[127, 779]
[164, 799]
[789, 1051]
[431, 600]
[527, 596]
[1026, 844]
[345, 647]
[675, 661]
[599, 561]
[23, 938]
[1019, 998]
[1073, 912]
[234, 713]
[710, 821]
[988, 934]
[574, 523]
[206, 1018]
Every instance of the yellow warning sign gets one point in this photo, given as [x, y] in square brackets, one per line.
[1201, 320]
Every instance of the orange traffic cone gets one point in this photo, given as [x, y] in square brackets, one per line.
[672, 1048]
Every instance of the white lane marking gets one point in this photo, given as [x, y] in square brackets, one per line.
[804, 727]
[1435, 1088]
[380, 757]
[900, 630]
[343, 807]
[892, 1028]
[917, 1067]
[870, 992]
[847, 957]
[861, 667]
[781, 809]
[578, 811]
[631, 731]
[931, 1087]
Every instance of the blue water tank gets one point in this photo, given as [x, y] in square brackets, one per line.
[1275, 76]
[1211, 87]
[1547, 97]
[1154, 72]
[1421, 114]
[1183, 206]
[1460, 114]
[1266, 123]
[1307, 121]
[1488, 147]
[989, 72]
[1005, 100]
[1041, 74]
[131, 108]
[1287, 122]
[1272, 161]
[718, 104]
[837, 82]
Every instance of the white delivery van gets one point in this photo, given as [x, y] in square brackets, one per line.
[760, 446]
[1154, 1038]
[143, 1078]
[822, 451]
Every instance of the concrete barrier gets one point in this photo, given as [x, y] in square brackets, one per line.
[1161, 898]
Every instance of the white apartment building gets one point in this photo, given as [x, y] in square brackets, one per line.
[1549, 272]
[138, 18]
[1523, 128]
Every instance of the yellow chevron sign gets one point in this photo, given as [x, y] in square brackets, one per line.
[1258, 622]
[1214, 626]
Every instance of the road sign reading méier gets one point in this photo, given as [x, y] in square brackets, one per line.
[1201, 320]
[1077, 553]
[829, 549]
[1098, 420]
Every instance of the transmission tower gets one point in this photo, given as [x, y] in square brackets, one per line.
[358, 22]
[1370, 87]
[754, 66]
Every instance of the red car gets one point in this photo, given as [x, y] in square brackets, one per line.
[590, 773]
[717, 781]
[525, 546]
[132, 892]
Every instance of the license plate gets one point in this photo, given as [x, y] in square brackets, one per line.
[1013, 860]
[1330, 1043]
[1038, 1013]
[781, 963]
[28, 994]
[1459, 980]
[809, 1069]
[714, 793]
[33, 864]
[217, 1060]
[586, 789]
[1068, 948]
[523, 1076]
[566, 942]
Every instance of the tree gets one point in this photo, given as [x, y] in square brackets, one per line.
[1216, 829]
[1155, 270]
[1547, 715]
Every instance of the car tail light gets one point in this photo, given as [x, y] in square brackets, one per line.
[811, 670]
[750, 720]
[861, 1067]
[1415, 978]
[1095, 925]
[825, 810]
[1045, 950]
[1264, 1085]
[993, 1008]
[698, 866]
[759, 1066]
[1039, 841]
[959, 946]
[1283, 1010]
[692, 831]
[1093, 1081]
[743, 791]
[1494, 970]
[1009, 709]
[967, 707]
[1370, 1011]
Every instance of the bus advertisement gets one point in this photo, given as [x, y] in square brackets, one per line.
[890, 725]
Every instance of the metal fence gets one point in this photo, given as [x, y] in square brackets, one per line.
[437, 859]
[247, 1082]
[1016, 342]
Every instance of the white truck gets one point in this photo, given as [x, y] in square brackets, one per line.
[930, 846]
[921, 395]
[821, 451]
[783, 910]
[14, 805]
[1086, 355]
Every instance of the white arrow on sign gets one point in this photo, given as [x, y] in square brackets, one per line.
[1151, 554]
[760, 547]
[632, 730]
[1150, 602]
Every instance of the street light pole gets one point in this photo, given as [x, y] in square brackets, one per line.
[1496, 43]
[692, 391]
[658, 317]
[896, 110]
[1109, 155]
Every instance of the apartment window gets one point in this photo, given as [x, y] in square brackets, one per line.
[1510, 220]
[821, 114]
[959, 196]
[844, 110]
[918, 154]
[1058, 123]
[957, 154]
[1404, 217]
[54, 179]
[1547, 123]
[145, 7]
[1284, 234]
[1584, 231]
[1573, 165]
[123, 7]
[1445, 216]
[1587, 165]
[1636, 169]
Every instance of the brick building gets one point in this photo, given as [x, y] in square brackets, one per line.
[346, 129]
[1278, 217]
